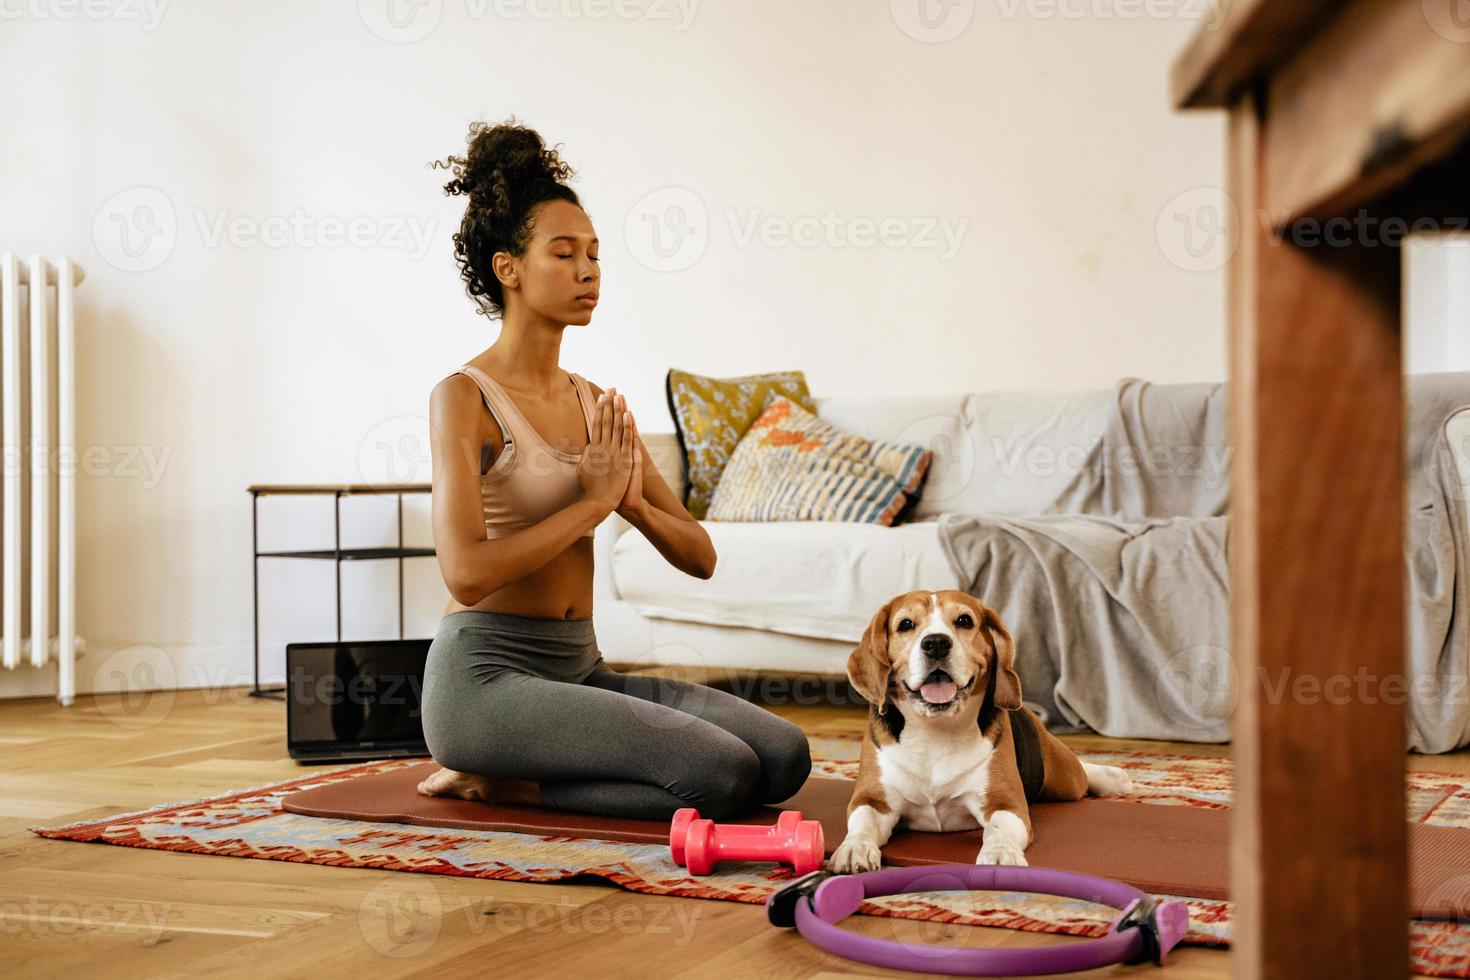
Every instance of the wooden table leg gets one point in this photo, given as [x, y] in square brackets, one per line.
[1319, 840]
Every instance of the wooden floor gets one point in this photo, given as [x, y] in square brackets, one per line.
[67, 909]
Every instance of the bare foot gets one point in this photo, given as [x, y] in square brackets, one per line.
[481, 789]
[463, 785]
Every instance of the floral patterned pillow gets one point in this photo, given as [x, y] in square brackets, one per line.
[793, 466]
[711, 414]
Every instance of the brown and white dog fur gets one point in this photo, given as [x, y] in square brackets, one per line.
[950, 766]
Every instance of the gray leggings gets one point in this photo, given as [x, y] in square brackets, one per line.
[530, 698]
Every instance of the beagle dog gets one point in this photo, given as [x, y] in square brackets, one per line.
[948, 744]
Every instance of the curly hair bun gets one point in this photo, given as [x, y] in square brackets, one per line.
[506, 161]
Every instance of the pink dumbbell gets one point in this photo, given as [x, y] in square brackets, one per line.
[704, 843]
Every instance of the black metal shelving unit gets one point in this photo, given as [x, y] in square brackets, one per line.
[337, 553]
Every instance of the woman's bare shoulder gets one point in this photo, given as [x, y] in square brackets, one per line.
[456, 403]
[454, 394]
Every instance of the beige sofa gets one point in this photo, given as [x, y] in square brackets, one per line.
[796, 596]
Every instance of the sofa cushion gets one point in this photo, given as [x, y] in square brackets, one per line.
[995, 452]
[821, 579]
[932, 421]
[793, 466]
[711, 414]
[1026, 450]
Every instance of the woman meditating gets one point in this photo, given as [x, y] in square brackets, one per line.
[518, 705]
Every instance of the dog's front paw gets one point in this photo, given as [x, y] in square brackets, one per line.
[854, 856]
[1001, 852]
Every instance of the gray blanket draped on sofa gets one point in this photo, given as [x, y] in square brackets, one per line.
[1118, 595]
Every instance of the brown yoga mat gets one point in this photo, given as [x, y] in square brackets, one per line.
[1174, 850]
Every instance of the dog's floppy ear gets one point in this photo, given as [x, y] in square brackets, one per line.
[1007, 683]
[869, 664]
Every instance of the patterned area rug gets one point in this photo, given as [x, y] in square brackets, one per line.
[251, 824]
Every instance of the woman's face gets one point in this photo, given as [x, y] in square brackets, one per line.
[558, 276]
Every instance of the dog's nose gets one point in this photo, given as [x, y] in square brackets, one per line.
[935, 645]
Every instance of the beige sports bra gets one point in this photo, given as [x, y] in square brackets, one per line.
[530, 480]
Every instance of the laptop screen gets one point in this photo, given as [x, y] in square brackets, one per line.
[354, 693]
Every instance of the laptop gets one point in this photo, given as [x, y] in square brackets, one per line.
[355, 700]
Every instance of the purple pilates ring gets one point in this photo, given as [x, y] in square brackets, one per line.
[1145, 930]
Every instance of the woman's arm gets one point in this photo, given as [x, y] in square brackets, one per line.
[683, 541]
[474, 567]
[652, 507]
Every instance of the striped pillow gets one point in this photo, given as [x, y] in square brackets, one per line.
[793, 466]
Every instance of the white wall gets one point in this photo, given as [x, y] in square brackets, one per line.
[233, 360]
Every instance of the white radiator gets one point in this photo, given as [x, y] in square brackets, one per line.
[38, 484]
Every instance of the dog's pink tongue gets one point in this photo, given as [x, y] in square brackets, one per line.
[938, 692]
